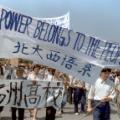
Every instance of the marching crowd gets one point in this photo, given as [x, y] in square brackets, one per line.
[92, 98]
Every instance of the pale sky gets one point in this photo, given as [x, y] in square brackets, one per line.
[99, 18]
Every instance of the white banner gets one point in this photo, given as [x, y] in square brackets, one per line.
[25, 94]
[66, 63]
[62, 21]
[74, 53]
[16, 26]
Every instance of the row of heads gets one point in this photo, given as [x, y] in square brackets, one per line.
[38, 66]
[112, 71]
[104, 70]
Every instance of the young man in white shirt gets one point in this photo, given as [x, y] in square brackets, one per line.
[101, 93]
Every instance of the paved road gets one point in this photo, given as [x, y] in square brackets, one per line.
[68, 114]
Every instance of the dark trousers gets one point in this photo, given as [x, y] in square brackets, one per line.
[1, 108]
[83, 103]
[50, 113]
[102, 111]
[70, 91]
[76, 107]
[82, 108]
[20, 113]
[79, 97]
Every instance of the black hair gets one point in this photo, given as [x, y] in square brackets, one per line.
[36, 66]
[105, 70]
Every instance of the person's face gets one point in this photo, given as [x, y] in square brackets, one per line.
[50, 70]
[36, 70]
[105, 75]
[20, 73]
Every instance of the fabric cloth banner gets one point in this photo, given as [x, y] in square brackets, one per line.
[16, 26]
[62, 21]
[71, 52]
[66, 63]
[25, 94]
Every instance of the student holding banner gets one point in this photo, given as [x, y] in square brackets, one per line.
[65, 81]
[64, 78]
[101, 93]
[19, 76]
[34, 76]
[70, 90]
[50, 111]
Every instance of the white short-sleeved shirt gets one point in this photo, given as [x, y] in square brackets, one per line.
[32, 76]
[101, 89]
[49, 77]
